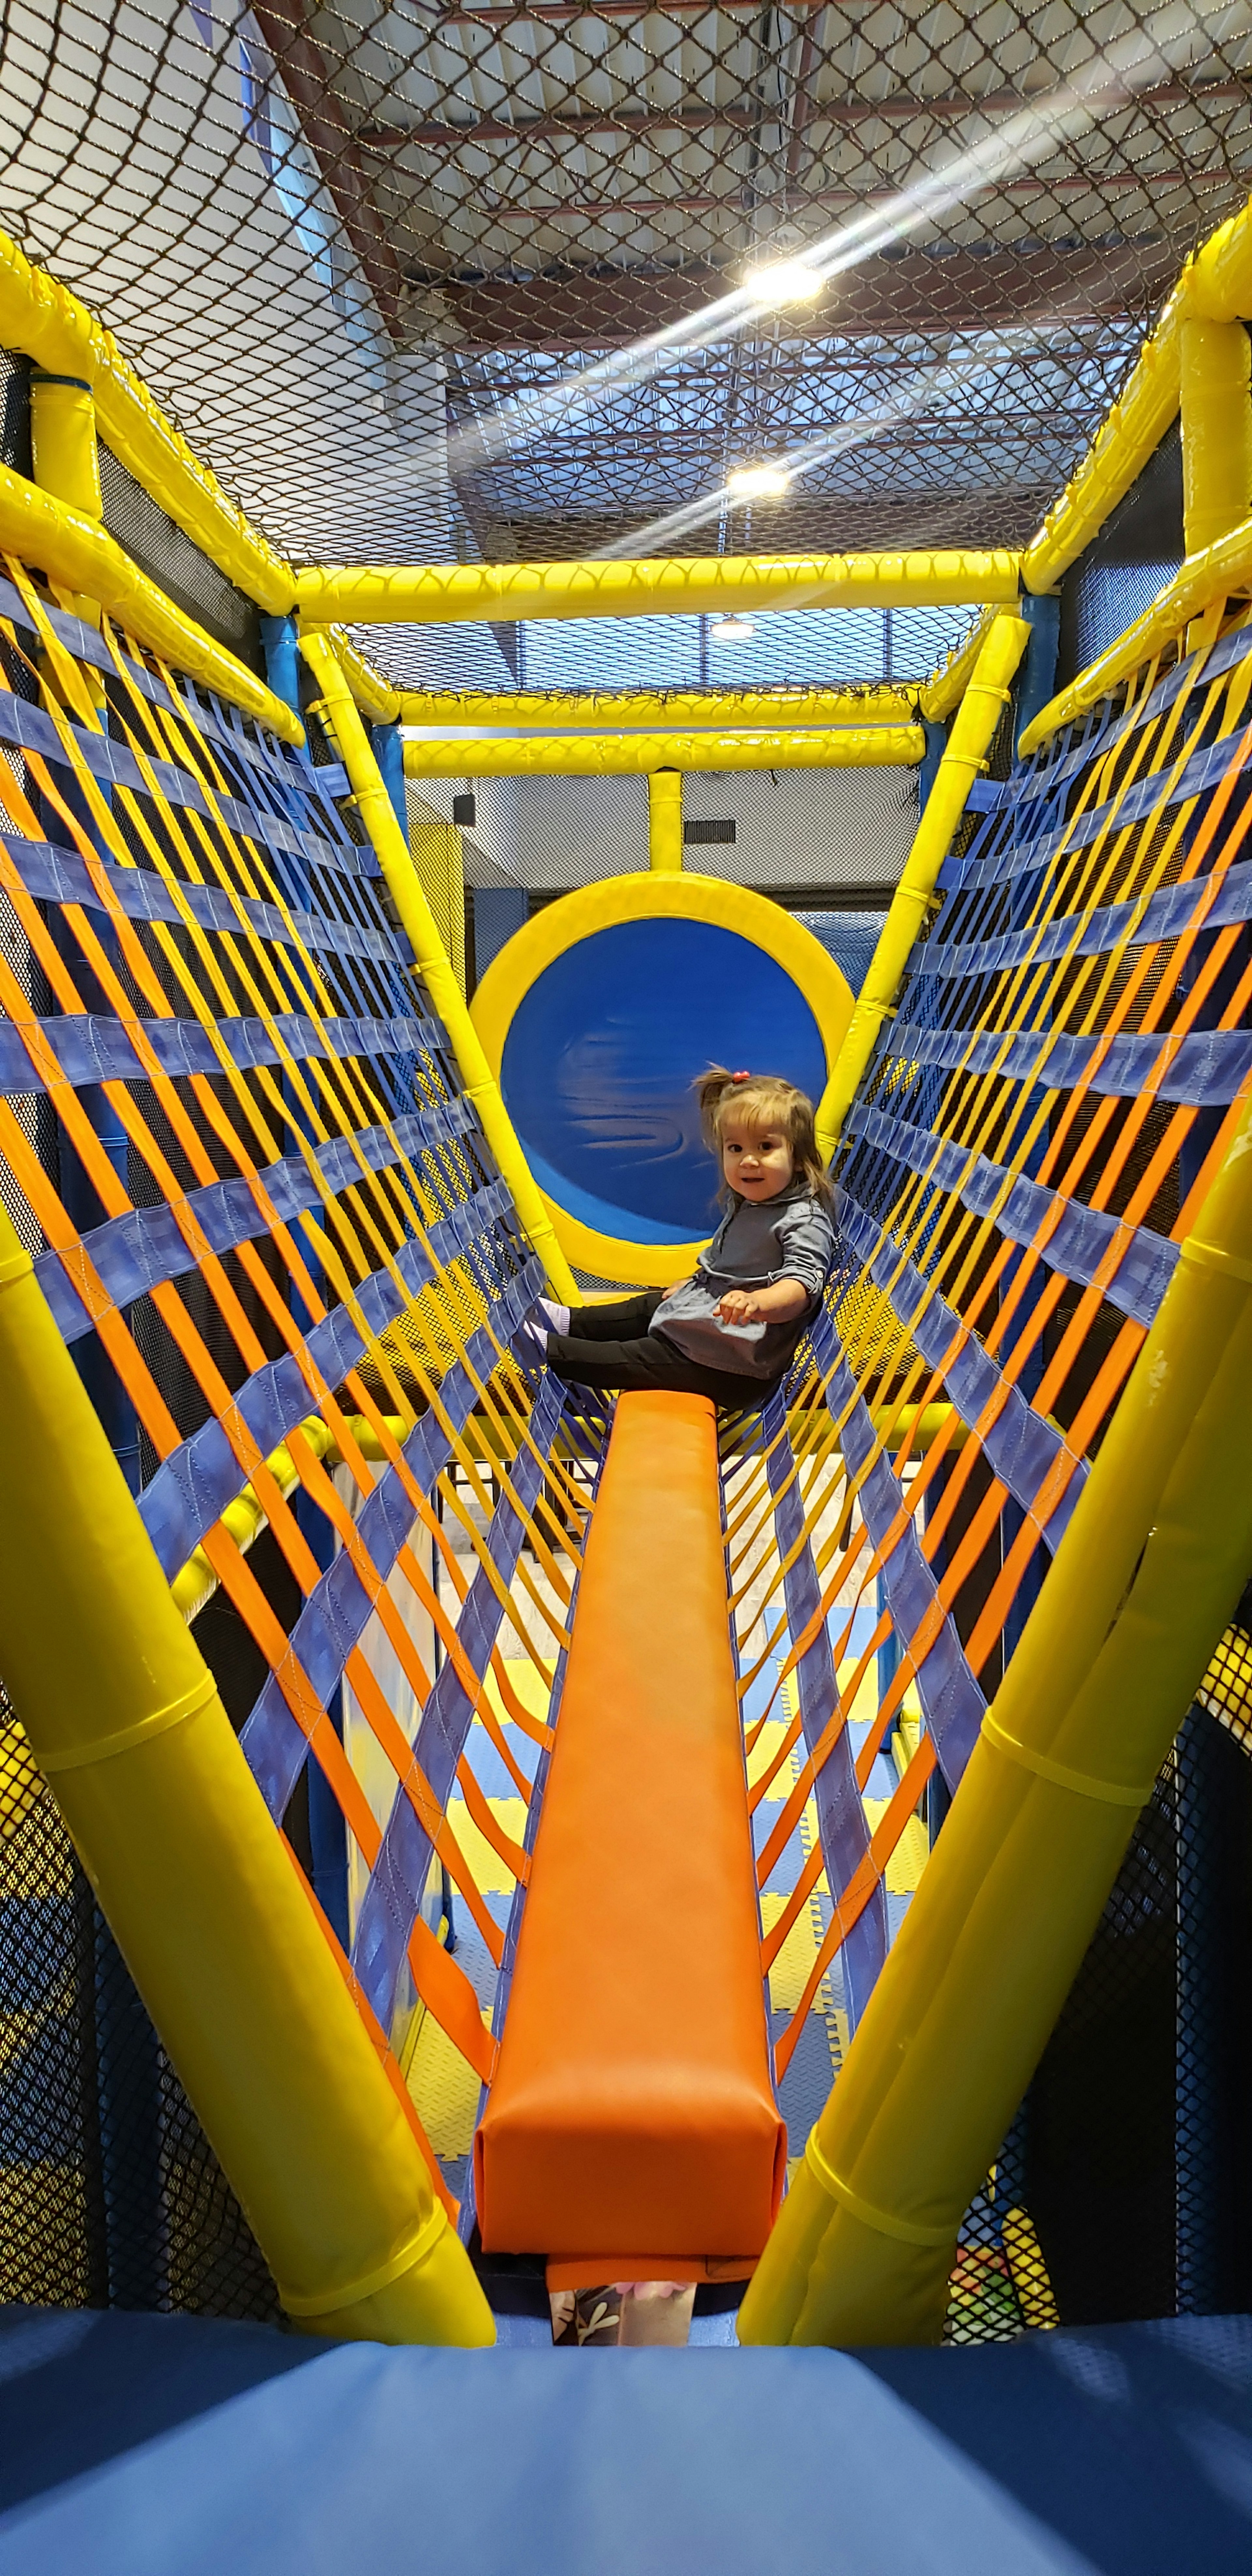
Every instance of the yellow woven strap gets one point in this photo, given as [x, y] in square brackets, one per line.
[882, 2220]
[1114, 1793]
[1210, 1256]
[73, 1757]
[325, 2303]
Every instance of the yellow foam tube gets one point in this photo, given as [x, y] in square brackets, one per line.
[1215, 286]
[1143, 1584]
[1122, 446]
[1216, 430]
[1217, 281]
[430, 594]
[404, 885]
[1223, 569]
[657, 710]
[980, 711]
[244, 1518]
[77, 551]
[373, 694]
[623, 755]
[41, 317]
[942, 693]
[665, 821]
[211, 1917]
[64, 448]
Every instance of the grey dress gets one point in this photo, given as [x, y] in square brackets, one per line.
[790, 1237]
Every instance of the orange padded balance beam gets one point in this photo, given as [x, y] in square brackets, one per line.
[632, 2122]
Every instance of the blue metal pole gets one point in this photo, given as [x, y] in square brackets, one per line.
[936, 745]
[389, 753]
[1037, 679]
[280, 643]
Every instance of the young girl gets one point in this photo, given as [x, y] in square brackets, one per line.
[731, 1330]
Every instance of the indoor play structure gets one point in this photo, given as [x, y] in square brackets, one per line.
[464, 1839]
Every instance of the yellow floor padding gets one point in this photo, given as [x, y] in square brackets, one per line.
[490, 1875]
[443, 2089]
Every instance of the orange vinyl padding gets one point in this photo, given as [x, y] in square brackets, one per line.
[632, 2113]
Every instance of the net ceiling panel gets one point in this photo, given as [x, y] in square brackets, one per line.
[331, 236]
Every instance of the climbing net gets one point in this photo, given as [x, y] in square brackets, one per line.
[1067, 1064]
[267, 1223]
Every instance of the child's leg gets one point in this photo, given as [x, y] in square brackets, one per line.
[655, 2311]
[647, 1362]
[622, 1320]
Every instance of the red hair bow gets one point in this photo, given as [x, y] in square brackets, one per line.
[741, 1077]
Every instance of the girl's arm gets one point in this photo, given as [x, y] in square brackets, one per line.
[777, 1304]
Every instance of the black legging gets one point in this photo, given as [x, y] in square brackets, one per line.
[611, 1346]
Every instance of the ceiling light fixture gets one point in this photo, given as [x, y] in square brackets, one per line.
[758, 482]
[732, 630]
[784, 281]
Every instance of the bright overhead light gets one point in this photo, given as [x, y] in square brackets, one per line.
[732, 630]
[784, 281]
[758, 482]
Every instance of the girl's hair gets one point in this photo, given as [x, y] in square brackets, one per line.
[760, 1101]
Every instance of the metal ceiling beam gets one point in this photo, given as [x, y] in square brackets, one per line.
[606, 208]
[307, 77]
[919, 294]
[696, 116]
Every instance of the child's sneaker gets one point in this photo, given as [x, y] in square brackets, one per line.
[529, 1344]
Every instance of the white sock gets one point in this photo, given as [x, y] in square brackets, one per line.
[558, 1316]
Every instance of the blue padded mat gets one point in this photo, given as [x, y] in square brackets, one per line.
[169, 2446]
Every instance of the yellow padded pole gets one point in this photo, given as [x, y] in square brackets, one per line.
[429, 594]
[211, 1916]
[75, 550]
[942, 693]
[373, 694]
[625, 755]
[974, 725]
[65, 450]
[65, 454]
[1122, 446]
[665, 821]
[1216, 430]
[1223, 569]
[1215, 286]
[43, 318]
[1143, 1584]
[656, 710]
[405, 887]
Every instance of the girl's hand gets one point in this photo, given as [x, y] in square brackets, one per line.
[779, 1304]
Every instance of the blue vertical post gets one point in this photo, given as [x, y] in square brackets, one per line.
[936, 745]
[389, 754]
[1037, 678]
[280, 643]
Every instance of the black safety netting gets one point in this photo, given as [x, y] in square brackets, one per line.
[110, 2194]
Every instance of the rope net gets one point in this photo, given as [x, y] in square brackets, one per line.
[268, 1225]
[1067, 1064]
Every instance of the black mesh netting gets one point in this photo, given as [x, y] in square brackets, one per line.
[1121, 2189]
[110, 2194]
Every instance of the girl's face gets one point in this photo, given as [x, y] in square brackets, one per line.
[758, 1165]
